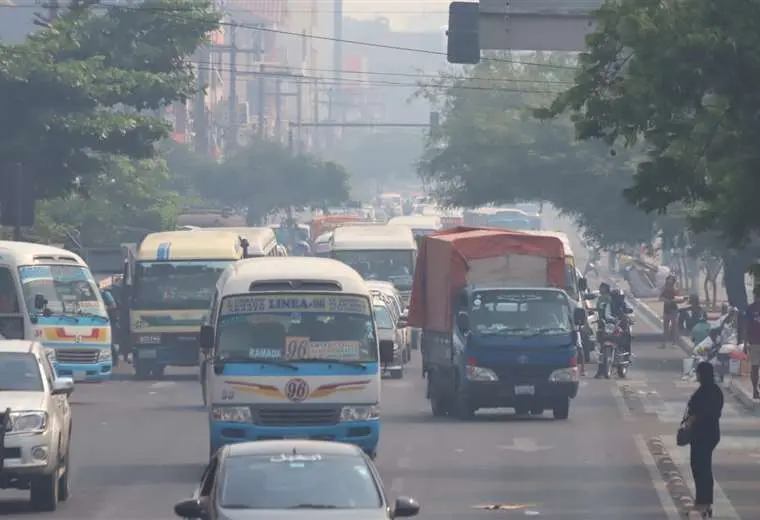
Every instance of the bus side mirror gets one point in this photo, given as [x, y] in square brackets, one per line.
[39, 302]
[463, 321]
[207, 337]
[583, 285]
[579, 316]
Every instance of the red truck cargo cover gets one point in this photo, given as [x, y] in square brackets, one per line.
[443, 265]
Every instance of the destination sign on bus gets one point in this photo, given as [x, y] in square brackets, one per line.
[295, 303]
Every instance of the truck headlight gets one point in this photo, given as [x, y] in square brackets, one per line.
[148, 339]
[236, 414]
[564, 375]
[475, 373]
[360, 412]
[28, 422]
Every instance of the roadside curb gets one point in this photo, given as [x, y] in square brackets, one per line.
[735, 388]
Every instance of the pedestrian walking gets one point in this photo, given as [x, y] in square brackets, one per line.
[702, 427]
[669, 297]
[752, 341]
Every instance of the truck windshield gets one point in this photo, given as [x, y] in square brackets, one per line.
[520, 312]
[293, 327]
[68, 289]
[395, 266]
[178, 285]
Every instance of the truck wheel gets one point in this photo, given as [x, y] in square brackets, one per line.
[522, 409]
[437, 404]
[44, 492]
[158, 371]
[464, 410]
[398, 373]
[561, 409]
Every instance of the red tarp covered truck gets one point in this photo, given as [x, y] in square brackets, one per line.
[497, 329]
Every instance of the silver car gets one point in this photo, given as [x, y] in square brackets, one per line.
[35, 421]
[390, 335]
[292, 480]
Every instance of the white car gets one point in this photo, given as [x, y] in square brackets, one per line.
[392, 298]
[35, 421]
[389, 333]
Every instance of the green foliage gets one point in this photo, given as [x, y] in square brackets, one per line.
[263, 177]
[490, 149]
[74, 93]
[682, 78]
[126, 201]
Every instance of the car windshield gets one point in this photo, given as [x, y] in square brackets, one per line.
[67, 289]
[287, 481]
[297, 326]
[19, 372]
[180, 285]
[383, 317]
[396, 267]
[520, 312]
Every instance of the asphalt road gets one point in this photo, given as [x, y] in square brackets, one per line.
[140, 446]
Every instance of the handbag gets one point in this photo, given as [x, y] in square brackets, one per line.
[683, 436]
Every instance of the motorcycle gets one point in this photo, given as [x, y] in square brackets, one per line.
[716, 348]
[613, 352]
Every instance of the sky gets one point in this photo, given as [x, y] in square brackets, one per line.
[403, 14]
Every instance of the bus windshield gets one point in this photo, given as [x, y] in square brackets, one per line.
[177, 285]
[67, 289]
[293, 327]
[395, 266]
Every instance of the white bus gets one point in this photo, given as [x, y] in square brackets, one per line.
[386, 253]
[48, 294]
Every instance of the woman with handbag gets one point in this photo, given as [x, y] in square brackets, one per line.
[701, 431]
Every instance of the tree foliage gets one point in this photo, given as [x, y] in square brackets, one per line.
[490, 149]
[75, 93]
[682, 78]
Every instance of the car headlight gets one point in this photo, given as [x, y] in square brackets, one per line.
[104, 354]
[564, 375]
[475, 373]
[28, 422]
[360, 412]
[148, 339]
[236, 414]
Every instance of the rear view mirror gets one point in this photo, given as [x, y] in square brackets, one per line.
[405, 507]
[582, 285]
[207, 337]
[628, 310]
[579, 316]
[463, 321]
[402, 323]
[190, 508]
[63, 386]
[39, 302]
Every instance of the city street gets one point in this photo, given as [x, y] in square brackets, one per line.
[140, 446]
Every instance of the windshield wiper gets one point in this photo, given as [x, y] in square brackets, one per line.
[254, 361]
[313, 506]
[92, 315]
[356, 364]
[545, 330]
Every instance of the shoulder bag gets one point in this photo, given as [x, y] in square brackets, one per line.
[683, 436]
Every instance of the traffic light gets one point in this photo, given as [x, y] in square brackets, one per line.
[463, 33]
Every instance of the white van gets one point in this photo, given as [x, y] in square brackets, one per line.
[421, 225]
[293, 353]
[386, 253]
[48, 294]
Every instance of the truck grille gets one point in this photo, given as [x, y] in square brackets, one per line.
[76, 355]
[296, 416]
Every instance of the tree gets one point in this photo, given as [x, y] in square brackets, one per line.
[76, 92]
[265, 176]
[490, 149]
[128, 200]
[681, 77]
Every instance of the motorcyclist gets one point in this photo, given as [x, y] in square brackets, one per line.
[620, 310]
[604, 316]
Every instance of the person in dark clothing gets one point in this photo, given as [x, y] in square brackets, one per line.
[751, 336]
[703, 419]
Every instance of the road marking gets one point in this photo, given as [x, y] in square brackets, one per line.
[403, 463]
[163, 384]
[503, 507]
[525, 445]
[722, 504]
[666, 501]
[625, 412]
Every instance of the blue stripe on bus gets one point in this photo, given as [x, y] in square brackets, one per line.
[162, 252]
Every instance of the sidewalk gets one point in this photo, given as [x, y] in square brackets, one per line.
[739, 386]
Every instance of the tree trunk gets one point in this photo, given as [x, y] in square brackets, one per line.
[735, 265]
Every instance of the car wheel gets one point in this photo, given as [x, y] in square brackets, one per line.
[44, 492]
[561, 410]
[63, 481]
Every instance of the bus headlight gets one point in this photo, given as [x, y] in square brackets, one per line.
[235, 414]
[360, 412]
[104, 354]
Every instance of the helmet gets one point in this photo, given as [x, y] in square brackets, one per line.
[604, 287]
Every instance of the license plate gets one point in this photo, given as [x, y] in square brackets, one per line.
[525, 390]
[147, 354]
[80, 376]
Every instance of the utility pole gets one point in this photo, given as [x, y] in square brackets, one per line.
[299, 113]
[200, 116]
[338, 50]
[262, 101]
[53, 7]
[278, 110]
[232, 128]
[315, 115]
